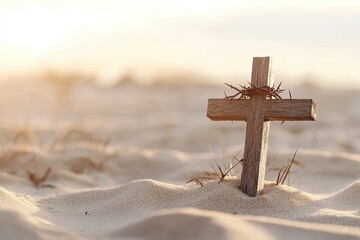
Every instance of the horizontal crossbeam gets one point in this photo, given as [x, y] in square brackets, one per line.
[272, 109]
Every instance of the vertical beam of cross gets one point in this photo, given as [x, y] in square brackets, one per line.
[257, 131]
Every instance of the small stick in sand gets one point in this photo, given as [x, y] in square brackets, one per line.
[258, 104]
[38, 181]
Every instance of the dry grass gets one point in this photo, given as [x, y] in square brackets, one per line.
[97, 145]
[23, 135]
[284, 171]
[79, 150]
[78, 135]
[217, 172]
[64, 82]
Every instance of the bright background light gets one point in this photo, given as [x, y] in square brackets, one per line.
[307, 39]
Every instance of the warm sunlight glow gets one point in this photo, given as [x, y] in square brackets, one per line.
[212, 38]
[32, 29]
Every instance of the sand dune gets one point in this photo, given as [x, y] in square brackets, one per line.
[149, 195]
[116, 169]
[179, 224]
[152, 209]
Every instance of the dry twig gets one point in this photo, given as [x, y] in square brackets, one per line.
[38, 181]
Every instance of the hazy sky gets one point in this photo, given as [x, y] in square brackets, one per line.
[319, 39]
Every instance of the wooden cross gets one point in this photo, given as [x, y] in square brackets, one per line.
[257, 112]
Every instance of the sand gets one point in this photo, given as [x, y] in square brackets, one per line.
[119, 159]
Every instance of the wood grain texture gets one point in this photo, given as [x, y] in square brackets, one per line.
[273, 109]
[256, 141]
[262, 73]
[289, 110]
[228, 109]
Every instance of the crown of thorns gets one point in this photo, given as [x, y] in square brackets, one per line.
[245, 92]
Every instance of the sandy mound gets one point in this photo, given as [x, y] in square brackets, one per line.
[131, 210]
[137, 200]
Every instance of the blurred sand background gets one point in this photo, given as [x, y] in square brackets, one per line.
[103, 119]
